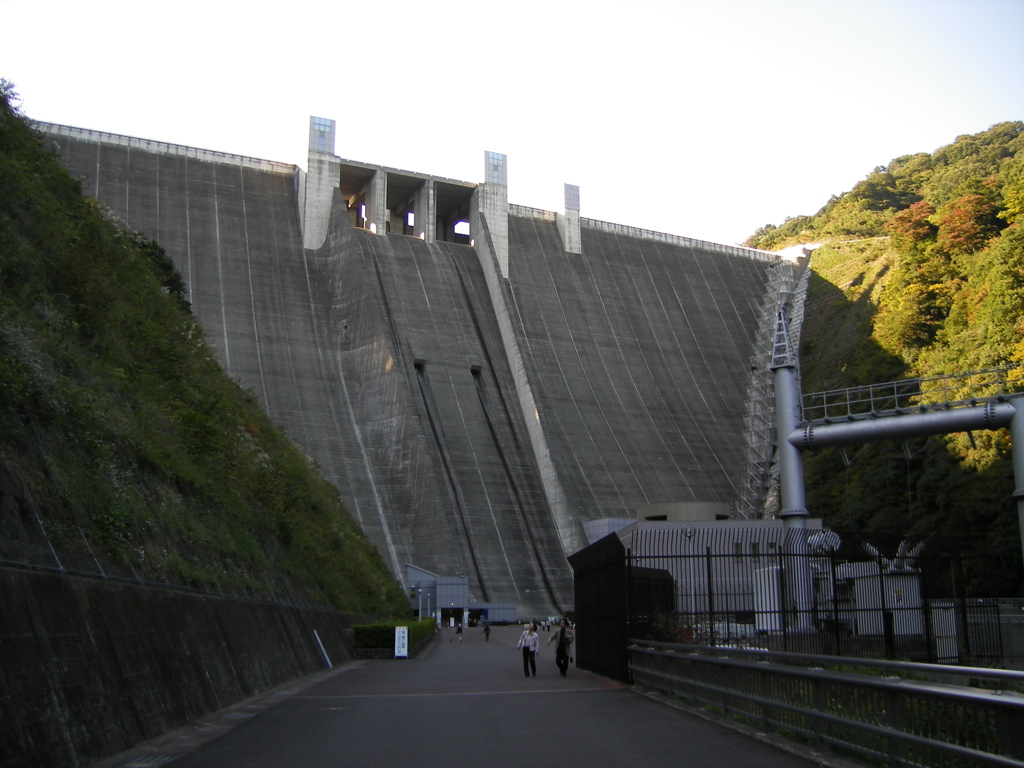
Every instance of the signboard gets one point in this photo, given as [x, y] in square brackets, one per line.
[401, 642]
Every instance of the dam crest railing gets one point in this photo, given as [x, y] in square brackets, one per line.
[647, 234]
[163, 147]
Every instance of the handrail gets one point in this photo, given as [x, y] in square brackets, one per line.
[898, 722]
[905, 395]
[910, 667]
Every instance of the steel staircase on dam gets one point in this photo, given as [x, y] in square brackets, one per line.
[787, 287]
[402, 366]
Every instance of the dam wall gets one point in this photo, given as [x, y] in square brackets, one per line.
[429, 386]
[473, 411]
[638, 352]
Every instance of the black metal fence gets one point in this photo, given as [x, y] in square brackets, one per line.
[749, 590]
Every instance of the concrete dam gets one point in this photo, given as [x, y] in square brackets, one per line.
[483, 382]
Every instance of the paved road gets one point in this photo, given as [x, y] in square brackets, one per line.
[458, 703]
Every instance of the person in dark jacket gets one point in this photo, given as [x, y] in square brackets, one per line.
[564, 637]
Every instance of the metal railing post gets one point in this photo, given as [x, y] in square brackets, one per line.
[896, 720]
[1011, 733]
[819, 703]
[767, 711]
[711, 598]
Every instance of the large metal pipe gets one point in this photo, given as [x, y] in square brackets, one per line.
[991, 415]
[791, 465]
[791, 474]
[1008, 412]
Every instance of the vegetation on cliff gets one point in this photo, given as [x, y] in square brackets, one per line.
[921, 274]
[125, 450]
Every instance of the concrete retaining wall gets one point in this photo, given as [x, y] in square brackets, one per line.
[90, 667]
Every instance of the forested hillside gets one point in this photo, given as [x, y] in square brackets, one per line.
[125, 450]
[921, 274]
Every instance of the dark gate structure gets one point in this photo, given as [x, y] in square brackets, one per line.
[602, 611]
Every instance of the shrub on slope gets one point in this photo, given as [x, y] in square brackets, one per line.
[124, 447]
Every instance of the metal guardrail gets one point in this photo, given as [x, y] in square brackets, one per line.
[844, 705]
[909, 395]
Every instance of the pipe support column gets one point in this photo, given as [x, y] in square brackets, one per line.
[791, 476]
[1017, 447]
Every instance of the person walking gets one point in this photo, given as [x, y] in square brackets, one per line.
[529, 642]
[458, 631]
[564, 636]
[487, 633]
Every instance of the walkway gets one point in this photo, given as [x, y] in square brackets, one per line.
[458, 703]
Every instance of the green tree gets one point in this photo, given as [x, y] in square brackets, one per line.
[912, 227]
[944, 293]
[967, 223]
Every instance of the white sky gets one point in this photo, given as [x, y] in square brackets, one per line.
[701, 118]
